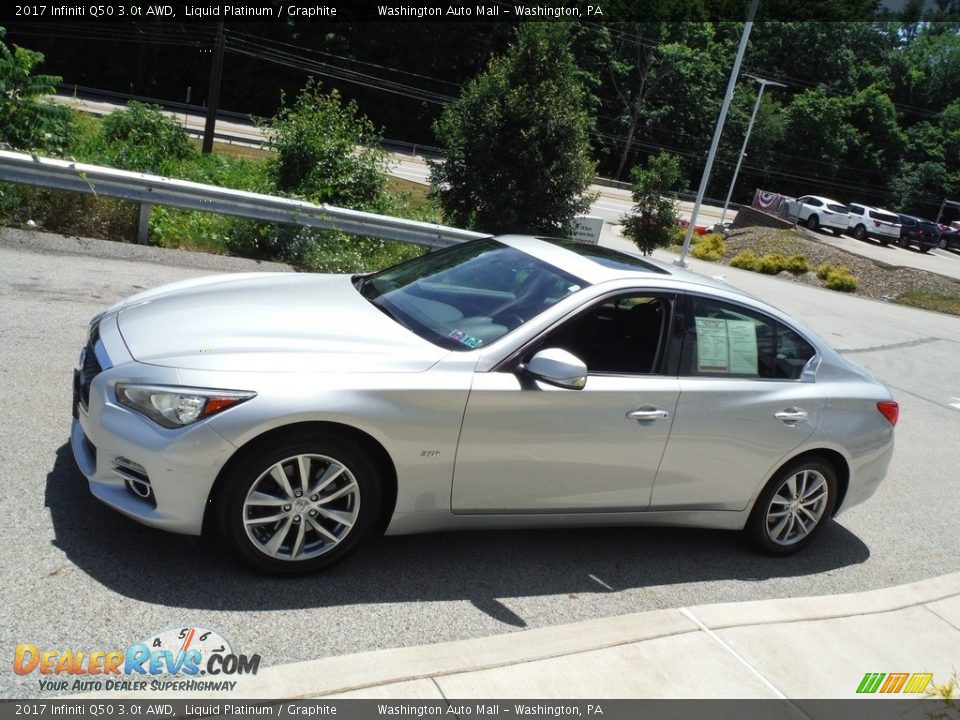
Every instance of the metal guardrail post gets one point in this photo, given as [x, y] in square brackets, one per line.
[143, 228]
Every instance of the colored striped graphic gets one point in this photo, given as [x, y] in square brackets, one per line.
[903, 683]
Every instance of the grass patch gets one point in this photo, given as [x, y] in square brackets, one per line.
[938, 302]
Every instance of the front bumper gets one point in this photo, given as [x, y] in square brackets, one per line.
[180, 465]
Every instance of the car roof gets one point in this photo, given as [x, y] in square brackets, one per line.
[823, 199]
[597, 264]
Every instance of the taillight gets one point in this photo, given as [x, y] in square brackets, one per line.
[890, 410]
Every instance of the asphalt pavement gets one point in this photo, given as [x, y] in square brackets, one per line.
[77, 575]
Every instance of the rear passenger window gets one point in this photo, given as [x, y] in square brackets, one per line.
[724, 339]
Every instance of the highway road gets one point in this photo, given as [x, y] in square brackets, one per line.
[76, 575]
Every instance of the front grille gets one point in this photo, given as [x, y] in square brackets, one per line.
[91, 366]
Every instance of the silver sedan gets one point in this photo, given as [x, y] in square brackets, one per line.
[506, 382]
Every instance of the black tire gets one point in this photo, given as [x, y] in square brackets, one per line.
[347, 519]
[836, 233]
[813, 222]
[860, 232]
[903, 242]
[942, 244]
[772, 527]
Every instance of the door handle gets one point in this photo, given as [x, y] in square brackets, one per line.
[647, 413]
[791, 415]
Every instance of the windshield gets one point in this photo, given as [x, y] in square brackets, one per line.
[469, 295]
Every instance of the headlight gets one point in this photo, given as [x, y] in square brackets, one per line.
[175, 407]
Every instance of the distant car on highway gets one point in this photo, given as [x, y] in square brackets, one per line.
[505, 382]
[815, 211]
[873, 223]
[925, 234]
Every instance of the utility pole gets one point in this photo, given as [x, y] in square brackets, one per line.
[213, 95]
[682, 260]
[743, 150]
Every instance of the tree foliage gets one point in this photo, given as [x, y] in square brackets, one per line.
[652, 221]
[327, 152]
[860, 118]
[516, 141]
[27, 123]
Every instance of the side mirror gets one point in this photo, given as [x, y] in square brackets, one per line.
[558, 367]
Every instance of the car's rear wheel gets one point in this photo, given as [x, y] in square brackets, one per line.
[301, 505]
[793, 507]
[813, 222]
[942, 244]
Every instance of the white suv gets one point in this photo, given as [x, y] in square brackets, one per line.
[815, 211]
[869, 222]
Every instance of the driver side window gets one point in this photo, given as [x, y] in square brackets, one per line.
[623, 335]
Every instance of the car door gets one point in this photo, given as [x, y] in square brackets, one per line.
[747, 399]
[528, 447]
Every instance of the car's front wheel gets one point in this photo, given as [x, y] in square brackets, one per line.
[793, 507]
[942, 244]
[300, 505]
[860, 232]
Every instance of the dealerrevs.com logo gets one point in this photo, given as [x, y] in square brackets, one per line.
[171, 660]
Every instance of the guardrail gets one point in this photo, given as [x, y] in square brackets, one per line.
[151, 190]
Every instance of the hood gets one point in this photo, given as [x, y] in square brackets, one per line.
[269, 322]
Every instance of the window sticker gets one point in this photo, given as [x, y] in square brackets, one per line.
[742, 336]
[469, 340]
[727, 346]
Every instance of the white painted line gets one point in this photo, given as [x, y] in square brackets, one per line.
[956, 403]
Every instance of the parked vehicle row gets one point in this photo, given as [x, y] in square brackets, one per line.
[870, 223]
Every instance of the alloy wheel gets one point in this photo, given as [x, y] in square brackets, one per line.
[301, 507]
[797, 507]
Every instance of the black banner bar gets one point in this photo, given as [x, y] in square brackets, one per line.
[875, 708]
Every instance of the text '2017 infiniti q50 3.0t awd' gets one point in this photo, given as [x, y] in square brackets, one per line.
[505, 382]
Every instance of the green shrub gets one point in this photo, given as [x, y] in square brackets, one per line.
[771, 264]
[142, 138]
[708, 247]
[824, 270]
[797, 264]
[745, 260]
[842, 279]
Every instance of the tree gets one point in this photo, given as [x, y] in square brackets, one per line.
[25, 123]
[516, 141]
[653, 219]
[326, 152]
